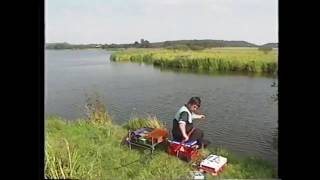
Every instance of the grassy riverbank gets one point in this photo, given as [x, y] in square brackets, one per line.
[211, 60]
[91, 149]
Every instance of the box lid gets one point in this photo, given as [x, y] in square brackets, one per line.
[214, 161]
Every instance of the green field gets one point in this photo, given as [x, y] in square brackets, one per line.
[210, 60]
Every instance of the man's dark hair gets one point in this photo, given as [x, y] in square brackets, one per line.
[195, 101]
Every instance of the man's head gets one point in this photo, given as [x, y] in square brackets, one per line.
[194, 103]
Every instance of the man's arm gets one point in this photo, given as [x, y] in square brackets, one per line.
[197, 116]
[182, 125]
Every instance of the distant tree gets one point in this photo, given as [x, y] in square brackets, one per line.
[144, 44]
[135, 44]
[167, 44]
[126, 46]
[147, 44]
[265, 49]
[62, 46]
[104, 46]
[178, 47]
[112, 45]
[196, 47]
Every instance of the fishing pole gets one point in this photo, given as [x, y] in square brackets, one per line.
[142, 159]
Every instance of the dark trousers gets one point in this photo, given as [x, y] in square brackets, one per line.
[196, 135]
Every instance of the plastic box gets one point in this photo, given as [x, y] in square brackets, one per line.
[213, 164]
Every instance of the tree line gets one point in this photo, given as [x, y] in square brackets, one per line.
[178, 44]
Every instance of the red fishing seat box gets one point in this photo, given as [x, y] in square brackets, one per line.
[185, 151]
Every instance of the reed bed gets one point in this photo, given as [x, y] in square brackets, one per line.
[211, 60]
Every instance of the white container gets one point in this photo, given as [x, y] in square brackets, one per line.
[214, 162]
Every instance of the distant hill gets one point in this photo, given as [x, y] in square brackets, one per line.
[178, 44]
[65, 45]
[270, 45]
[204, 43]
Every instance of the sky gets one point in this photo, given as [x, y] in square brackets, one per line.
[126, 21]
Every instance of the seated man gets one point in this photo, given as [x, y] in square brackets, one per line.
[182, 123]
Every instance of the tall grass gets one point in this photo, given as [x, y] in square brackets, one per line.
[152, 122]
[211, 60]
[60, 164]
[96, 111]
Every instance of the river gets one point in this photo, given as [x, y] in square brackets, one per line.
[241, 115]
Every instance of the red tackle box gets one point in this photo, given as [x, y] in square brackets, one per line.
[184, 151]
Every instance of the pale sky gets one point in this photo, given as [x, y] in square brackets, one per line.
[126, 21]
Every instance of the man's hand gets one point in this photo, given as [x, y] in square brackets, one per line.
[186, 138]
[202, 116]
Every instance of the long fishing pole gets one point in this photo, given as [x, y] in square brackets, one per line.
[144, 158]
